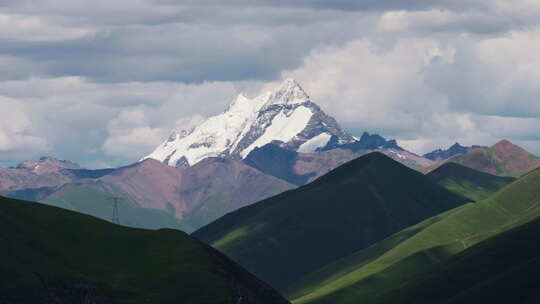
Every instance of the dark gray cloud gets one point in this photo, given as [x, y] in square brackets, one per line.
[191, 44]
[345, 5]
[348, 5]
[195, 41]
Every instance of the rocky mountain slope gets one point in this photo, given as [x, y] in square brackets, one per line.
[50, 255]
[46, 172]
[217, 186]
[345, 210]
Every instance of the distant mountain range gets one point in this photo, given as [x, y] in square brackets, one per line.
[256, 149]
[301, 168]
[186, 197]
[503, 159]
[150, 193]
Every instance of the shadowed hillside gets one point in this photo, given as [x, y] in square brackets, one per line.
[473, 184]
[287, 236]
[51, 255]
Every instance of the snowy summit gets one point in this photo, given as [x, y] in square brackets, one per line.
[286, 117]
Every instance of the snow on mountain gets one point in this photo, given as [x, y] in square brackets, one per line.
[315, 143]
[286, 116]
[284, 127]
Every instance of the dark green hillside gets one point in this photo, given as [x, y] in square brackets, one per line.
[52, 255]
[368, 275]
[30, 194]
[95, 198]
[468, 182]
[287, 236]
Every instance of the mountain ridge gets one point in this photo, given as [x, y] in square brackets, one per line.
[455, 149]
[183, 197]
[301, 168]
[45, 172]
[503, 158]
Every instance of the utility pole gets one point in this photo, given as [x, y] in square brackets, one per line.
[115, 215]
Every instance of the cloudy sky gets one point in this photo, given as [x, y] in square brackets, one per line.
[103, 82]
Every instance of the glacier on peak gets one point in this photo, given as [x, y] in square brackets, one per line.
[286, 116]
[317, 142]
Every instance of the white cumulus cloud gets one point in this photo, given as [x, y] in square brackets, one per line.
[15, 126]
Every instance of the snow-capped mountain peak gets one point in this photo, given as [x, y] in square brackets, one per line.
[286, 116]
[243, 104]
[290, 92]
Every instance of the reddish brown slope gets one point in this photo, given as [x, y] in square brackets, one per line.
[216, 186]
[151, 184]
[198, 194]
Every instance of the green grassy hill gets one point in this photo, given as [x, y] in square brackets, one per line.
[30, 194]
[52, 255]
[371, 273]
[503, 269]
[472, 184]
[352, 207]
